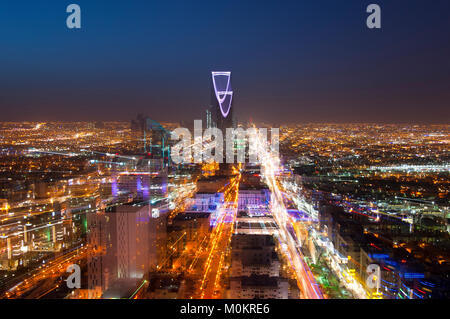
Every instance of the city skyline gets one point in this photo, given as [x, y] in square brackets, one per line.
[308, 222]
[217, 153]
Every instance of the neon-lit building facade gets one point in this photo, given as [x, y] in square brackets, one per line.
[222, 115]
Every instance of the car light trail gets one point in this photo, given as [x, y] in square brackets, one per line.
[220, 239]
[270, 166]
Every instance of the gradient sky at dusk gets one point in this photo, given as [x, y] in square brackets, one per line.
[291, 61]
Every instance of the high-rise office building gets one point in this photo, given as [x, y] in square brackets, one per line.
[151, 137]
[222, 113]
[127, 242]
[221, 110]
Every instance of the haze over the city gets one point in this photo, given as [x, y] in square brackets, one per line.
[298, 61]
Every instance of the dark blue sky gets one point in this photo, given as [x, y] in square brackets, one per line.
[292, 61]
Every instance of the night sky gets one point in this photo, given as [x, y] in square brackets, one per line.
[291, 61]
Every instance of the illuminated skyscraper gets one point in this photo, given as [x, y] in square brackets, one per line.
[222, 100]
[151, 137]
